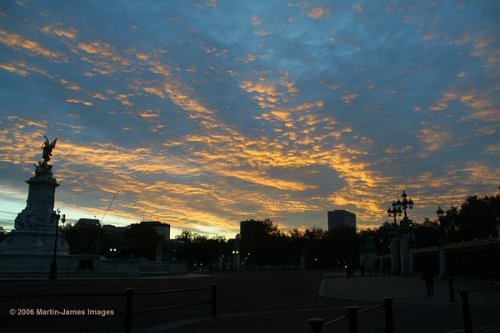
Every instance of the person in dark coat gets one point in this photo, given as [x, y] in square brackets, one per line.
[428, 277]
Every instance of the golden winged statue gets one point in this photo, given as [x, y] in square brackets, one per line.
[47, 147]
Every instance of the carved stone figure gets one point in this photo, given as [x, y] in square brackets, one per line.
[43, 167]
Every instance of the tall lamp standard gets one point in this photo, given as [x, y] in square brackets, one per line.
[405, 204]
[394, 211]
[53, 266]
[406, 240]
[441, 243]
[235, 255]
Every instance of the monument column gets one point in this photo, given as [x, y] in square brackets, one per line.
[35, 227]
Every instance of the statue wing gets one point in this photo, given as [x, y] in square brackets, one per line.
[53, 144]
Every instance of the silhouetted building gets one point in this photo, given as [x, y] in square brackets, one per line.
[162, 229]
[340, 217]
[88, 223]
[112, 229]
[251, 229]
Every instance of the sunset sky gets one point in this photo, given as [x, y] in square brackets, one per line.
[206, 113]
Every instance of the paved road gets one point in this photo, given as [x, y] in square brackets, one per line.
[247, 302]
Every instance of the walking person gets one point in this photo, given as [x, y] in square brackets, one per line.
[428, 277]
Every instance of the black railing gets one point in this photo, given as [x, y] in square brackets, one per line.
[317, 324]
[464, 295]
[452, 290]
[129, 294]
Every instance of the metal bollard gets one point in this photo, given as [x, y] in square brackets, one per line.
[214, 300]
[389, 318]
[352, 313]
[316, 325]
[452, 291]
[466, 311]
[128, 310]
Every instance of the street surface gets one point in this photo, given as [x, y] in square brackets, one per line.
[262, 302]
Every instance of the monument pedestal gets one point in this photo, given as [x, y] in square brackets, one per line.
[30, 246]
[33, 243]
[28, 250]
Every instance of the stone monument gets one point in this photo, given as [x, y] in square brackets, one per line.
[35, 246]
[30, 245]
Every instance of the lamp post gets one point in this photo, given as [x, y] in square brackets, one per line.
[235, 255]
[53, 266]
[441, 243]
[406, 240]
[394, 211]
[405, 204]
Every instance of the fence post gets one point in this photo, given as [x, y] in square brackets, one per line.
[389, 318]
[466, 311]
[352, 313]
[128, 310]
[316, 325]
[452, 291]
[214, 300]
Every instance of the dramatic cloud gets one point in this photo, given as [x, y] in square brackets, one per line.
[205, 113]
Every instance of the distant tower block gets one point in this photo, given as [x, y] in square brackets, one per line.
[340, 217]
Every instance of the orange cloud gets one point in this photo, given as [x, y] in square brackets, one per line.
[14, 69]
[154, 91]
[261, 178]
[78, 101]
[317, 12]
[149, 114]
[429, 36]
[256, 20]
[261, 32]
[102, 49]
[16, 41]
[434, 138]
[69, 85]
[249, 58]
[54, 30]
[348, 99]
[99, 96]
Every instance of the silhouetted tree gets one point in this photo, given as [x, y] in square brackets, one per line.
[476, 218]
[426, 233]
[198, 249]
[3, 234]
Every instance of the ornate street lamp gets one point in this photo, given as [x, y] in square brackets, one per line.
[395, 210]
[53, 266]
[402, 241]
[405, 204]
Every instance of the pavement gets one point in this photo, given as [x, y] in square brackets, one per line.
[407, 289]
[262, 302]
[414, 311]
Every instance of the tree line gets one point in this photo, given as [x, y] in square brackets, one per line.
[267, 245]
